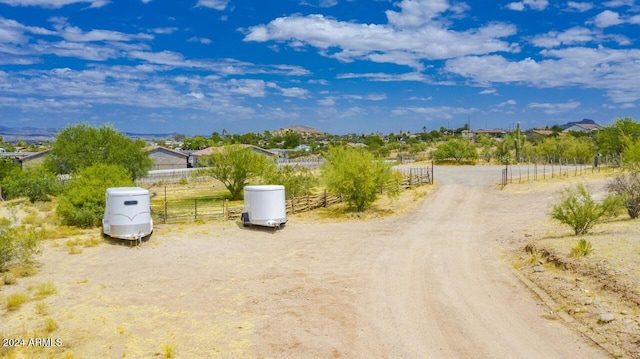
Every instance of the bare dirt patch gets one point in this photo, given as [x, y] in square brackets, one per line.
[431, 282]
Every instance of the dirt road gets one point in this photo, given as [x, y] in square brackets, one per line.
[427, 284]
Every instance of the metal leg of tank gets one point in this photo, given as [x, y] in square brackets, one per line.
[244, 218]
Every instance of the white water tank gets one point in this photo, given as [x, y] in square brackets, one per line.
[127, 213]
[264, 205]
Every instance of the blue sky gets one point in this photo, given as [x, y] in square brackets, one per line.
[198, 66]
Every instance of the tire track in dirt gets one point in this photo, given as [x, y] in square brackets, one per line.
[441, 290]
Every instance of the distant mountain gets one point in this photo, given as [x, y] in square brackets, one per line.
[28, 134]
[33, 134]
[585, 121]
[303, 130]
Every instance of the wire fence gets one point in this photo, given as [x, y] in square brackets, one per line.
[523, 173]
[218, 208]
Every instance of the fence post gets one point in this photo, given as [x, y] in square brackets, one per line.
[224, 209]
[166, 208]
[308, 202]
[195, 208]
[325, 199]
[293, 208]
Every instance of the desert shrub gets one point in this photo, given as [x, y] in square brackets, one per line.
[627, 186]
[36, 184]
[455, 149]
[296, 180]
[577, 208]
[358, 176]
[15, 300]
[581, 248]
[83, 199]
[18, 244]
[45, 289]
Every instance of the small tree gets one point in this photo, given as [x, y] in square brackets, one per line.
[81, 146]
[235, 166]
[295, 179]
[577, 208]
[456, 149]
[83, 200]
[358, 176]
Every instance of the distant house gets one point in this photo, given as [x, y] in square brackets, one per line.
[495, 133]
[541, 132]
[166, 159]
[582, 127]
[195, 156]
[34, 159]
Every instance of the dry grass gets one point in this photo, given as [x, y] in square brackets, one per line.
[15, 300]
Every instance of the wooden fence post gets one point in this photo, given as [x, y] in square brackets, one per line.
[166, 208]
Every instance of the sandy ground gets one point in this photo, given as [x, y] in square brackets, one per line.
[431, 283]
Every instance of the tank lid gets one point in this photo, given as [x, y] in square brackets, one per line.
[268, 187]
[126, 191]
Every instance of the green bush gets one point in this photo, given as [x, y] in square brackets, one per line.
[581, 248]
[36, 184]
[627, 187]
[83, 199]
[18, 244]
[296, 180]
[358, 176]
[577, 208]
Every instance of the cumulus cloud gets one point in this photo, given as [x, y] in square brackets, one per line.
[615, 71]
[555, 108]
[384, 43]
[577, 36]
[579, 6]
[531, 4]
[214, 4]
[511, 102]
[607, 18]
[55, 4]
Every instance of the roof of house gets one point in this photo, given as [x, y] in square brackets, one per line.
[34, 155]
[164, 149]
[209, 150]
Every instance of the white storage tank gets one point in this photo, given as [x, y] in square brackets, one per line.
[264, 205]
[127, 213]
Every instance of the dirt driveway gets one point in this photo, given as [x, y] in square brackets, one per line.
[430, 283]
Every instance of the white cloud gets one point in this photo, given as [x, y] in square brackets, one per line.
[202, 40]
[488, 92]
[608, 18]
[214, 4]
[164, 30]
[55, 4]
[441, 112]
[416, 13]
[531, 4]
[615, 71]
[297, 92]
[348, 41]
[329, 101]
[555, 108]
[579, 6]
[320, 3]
[577, 36]
[511, 102]
[618, 3]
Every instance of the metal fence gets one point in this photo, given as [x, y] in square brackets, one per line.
[526, 172]
[217, 208]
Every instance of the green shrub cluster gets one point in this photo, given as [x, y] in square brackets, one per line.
[83, 200]
[18, 244]
[577, 208]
